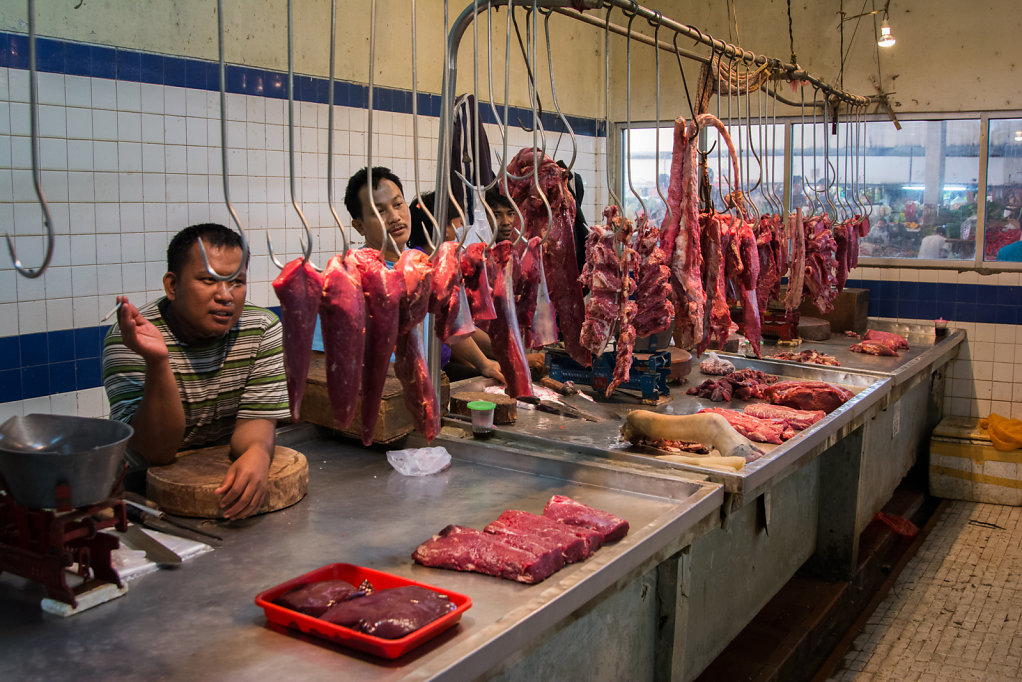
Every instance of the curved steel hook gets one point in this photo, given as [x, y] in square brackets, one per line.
[606, 53]
[553, 94]
[681, 69]
[33, 93]
[387, 238]
[330, 121]
[291, 140]
[656, 165]
[415, 142]
[224, 167]
[536, 154]
[802, 139]
[826, 157]
[628, 113]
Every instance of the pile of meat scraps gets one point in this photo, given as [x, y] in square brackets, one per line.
[808, 356]
[521, 546]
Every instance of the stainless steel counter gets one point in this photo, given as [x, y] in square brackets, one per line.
[199, 621]
[540, 430]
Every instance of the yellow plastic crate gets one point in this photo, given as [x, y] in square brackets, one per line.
[964, 465]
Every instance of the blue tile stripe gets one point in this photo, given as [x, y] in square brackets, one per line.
[34, 365]
[98, 61]
[929, 300]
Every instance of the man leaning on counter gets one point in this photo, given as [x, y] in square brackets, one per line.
[198, 367]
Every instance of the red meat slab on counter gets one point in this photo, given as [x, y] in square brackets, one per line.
[573, 513]
[460, 548]
[378, 646]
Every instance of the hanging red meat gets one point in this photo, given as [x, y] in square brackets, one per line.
[410, 362]
[504, 333]
[298, 287]
[477, 287]
[845, 235]
[382, 288]
[448, 300]
[342, 312]
[601, 274]
[746, 284]
[821, 263]
[626, 330]
[527, 287]
[796, 280]
[681, 239]
[559, 251]
[654, 310]
[717, 317]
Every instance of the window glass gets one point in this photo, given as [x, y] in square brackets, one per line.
[1004, 191]
[647, 162]
[920, 181]
[760, 153]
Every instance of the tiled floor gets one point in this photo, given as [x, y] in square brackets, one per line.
[954, 612]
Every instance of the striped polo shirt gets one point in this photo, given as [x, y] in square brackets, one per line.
[240, 375]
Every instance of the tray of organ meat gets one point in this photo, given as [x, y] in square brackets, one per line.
[362, 608]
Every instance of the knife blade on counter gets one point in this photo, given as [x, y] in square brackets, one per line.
[136, 538]
[554, 407]
[144, 511]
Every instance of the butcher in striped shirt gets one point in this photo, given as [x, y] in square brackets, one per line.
[199, 366]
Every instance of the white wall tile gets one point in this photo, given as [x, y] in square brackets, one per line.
[129, 96]
[78, 91]
[152, 98]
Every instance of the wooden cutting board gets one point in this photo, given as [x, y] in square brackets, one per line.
[185, 488]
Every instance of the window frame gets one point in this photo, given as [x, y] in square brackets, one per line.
[977, 264]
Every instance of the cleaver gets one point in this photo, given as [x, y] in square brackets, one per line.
[155, 551]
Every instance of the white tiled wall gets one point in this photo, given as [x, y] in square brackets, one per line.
[987, 375]
[126, 165]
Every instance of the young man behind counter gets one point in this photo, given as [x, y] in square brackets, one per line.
[198, 366]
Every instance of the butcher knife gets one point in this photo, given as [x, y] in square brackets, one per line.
[155, 551]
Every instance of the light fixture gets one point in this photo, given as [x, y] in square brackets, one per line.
[886, 38]
[1018, 135]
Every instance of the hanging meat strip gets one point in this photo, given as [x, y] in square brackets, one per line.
[298, 288]
[527, 287]
[626, 330]
[342, 311]
[796, 280]
[717, 320]
[410, 362]
[559, 262]
[504, 333]
[477, 287]
[601, 274]
[448, 300]
[654, 310]
[747, 284]
[382, 288]
[821, 263]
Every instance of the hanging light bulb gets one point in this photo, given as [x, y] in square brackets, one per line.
[1018, 135]
[886, 38]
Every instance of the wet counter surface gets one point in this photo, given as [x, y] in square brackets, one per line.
[924, 352]
[542, 431]
[199, 621]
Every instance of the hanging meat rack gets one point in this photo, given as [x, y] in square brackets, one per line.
[719, 50]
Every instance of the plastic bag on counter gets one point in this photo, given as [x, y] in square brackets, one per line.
[419, 461]
[716, 365]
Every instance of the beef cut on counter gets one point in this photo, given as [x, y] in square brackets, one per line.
[559, 261]
[893, 340]
[522, 546]
[298, 288]
[761, 430]
[873, 348]
[797, 419]
[808, 395]
[391, 613]
[460, 548]
[572, 512]
[342, 314]
[313, 599]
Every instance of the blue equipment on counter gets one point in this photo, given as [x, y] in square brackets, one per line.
[648, 374]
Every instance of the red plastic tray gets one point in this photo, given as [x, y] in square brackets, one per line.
[386, 648]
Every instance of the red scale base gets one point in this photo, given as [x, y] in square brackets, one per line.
[41, 544]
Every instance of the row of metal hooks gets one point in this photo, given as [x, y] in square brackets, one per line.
[533, 11]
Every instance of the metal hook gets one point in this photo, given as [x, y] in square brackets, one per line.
[224, 167]
[330, 122]
[684, 81]
[606, 53]
[628, 112]
[33, 93]
[553, 94]
[291, 140]
[415, 141]
[826, 157]
[656, 163]
[369, 137]
[536, 154]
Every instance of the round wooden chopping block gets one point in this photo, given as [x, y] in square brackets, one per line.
[505, 412]
[185, 488]
[813, 329]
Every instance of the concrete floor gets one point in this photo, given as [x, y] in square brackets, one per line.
[954, 612]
